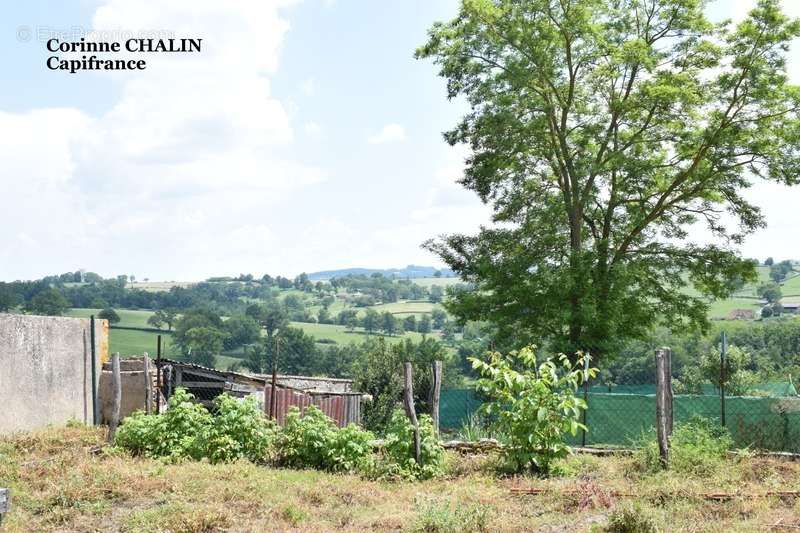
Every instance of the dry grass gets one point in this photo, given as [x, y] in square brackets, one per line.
[60, 484]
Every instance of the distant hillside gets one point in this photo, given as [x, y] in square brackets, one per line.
[411, 271]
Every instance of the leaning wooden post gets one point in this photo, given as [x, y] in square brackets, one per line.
[664, 402]
[436, 392]
[116, 402]
[148, 385]
[408, 403]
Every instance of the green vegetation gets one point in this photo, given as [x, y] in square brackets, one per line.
[697, 448]
[313, 441]
[398, 448]
[598, 144]
[533, 404]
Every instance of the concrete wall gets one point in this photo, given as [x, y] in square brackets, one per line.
[46, 370]
[134, 388]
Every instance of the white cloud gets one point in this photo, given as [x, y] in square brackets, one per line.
[167, 175]
[313, 130]
[307, 87]
[389, 133]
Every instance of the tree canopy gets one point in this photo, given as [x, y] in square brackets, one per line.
[600, 132]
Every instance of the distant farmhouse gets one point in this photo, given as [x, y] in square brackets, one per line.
[791, 308]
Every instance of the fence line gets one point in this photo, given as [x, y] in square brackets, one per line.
[768, 423]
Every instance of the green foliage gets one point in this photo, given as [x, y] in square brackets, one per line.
[399, 448]
[630, 518]
[698, 447]
[175, 434]
[203, 344]
[533, 404]
[238, 430]
[110, 315]
[312, 440]
[8, 298]
[738, 380]
[477, 427]
[598, 140]
[240, 330]
[377, 372]
[48, 302]
[771, 292]
[186, 430]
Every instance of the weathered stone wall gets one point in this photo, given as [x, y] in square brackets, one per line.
[46, 370]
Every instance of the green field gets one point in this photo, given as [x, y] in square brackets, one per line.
[341, 335]
[430, 282]
[721, 308]
[405, 307]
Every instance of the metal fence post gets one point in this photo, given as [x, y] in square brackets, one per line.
[95, 406]
[585, 399]
[723, 357]
[158, 375]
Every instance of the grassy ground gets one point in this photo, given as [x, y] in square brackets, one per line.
[341, 335]
[722, 308]
[59, 482]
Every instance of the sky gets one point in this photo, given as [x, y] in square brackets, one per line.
[303, 137]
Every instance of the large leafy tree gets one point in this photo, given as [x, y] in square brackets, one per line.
[600, 131]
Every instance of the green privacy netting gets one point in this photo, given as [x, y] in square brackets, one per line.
[769, 423]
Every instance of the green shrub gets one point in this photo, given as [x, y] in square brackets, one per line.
[176, 434]
[399, 448]
[630, 518]
[698, 447]
[533, 405]
[187, 430]
[312, 440]
[238, 430]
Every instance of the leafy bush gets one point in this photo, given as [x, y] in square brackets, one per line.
[399, 448]
[630, 519]
[187, 430]
[697, 447]
[175, 434]
[314, 441]
[533, 406]
[239, 430]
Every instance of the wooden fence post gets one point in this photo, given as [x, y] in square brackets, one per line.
[148, 385]
[436, 392]
[116, 402]
[664, 402]
[408, 403]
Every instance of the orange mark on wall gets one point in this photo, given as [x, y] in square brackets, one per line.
[103, 341]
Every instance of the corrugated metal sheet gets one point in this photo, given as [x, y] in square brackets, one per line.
[342, 408]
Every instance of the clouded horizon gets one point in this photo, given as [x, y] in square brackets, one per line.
[303, 137]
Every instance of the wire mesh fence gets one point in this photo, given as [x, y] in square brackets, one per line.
[620, 419]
